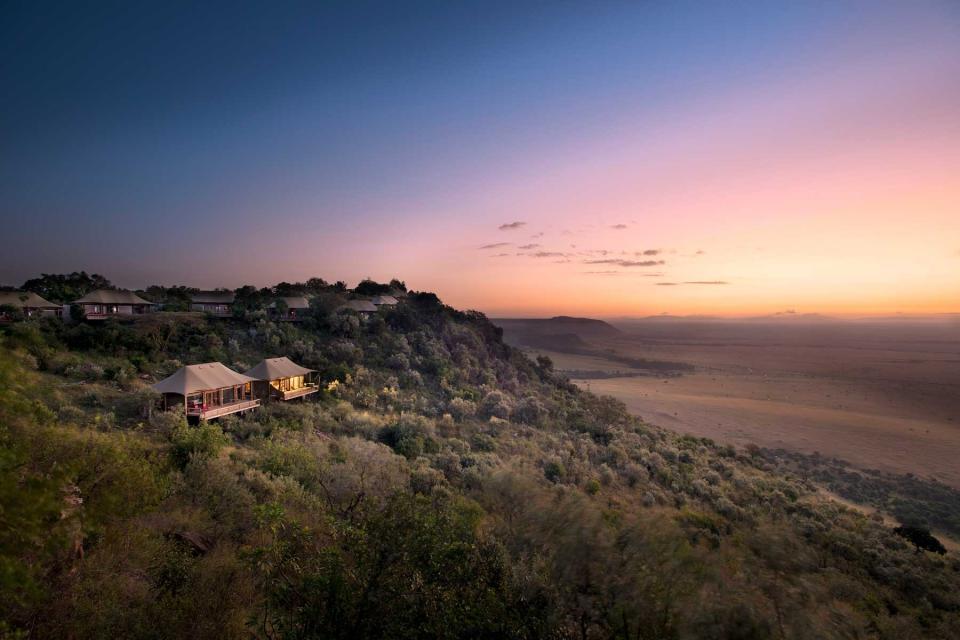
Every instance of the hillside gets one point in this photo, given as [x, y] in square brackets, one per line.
[442, 485]
[516, 330]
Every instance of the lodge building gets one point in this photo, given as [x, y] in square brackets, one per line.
[216, 303]
[29, 304]
[282, 379]
[207, 391]
[112, 303]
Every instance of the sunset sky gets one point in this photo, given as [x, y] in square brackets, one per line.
[604, 159]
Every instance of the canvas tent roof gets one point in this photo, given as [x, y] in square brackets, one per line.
[213, 297]
[21, 299]
[359, 306]
[275, 368]
[293, 302]
[388, 300]
[111, 296]
[201, 377]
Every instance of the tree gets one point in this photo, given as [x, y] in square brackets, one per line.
[66, 287]
[544, 363]
[368, 287]
[921, 539]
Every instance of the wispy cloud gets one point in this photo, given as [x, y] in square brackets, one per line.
[618, 226]
[526, 247]
[510, 226]
[699, 252]
[604, 273]
[496, 245]
[548, 254]
[627, 263]
[648, 252]
[677, 284]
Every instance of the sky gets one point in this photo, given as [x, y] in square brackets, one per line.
[520, 158]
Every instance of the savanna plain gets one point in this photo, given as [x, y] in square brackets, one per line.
[880, 394]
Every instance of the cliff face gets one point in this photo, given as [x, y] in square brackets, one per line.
[442, 485]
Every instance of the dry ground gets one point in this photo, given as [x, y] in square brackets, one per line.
[883, 396]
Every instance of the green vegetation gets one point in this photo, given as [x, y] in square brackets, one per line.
[442, 486]
[909, 499]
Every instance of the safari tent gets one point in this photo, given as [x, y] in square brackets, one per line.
[294, 308]
[208, 391]
[29, 304]
[384, 301]
[109, 303]
[363, 307]
[282, 379]
[217, 303]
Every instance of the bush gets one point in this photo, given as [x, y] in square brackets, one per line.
[554, 471]
[461, 408]
[202, 442]
[529, 411]
[495, 404]
[410, 436]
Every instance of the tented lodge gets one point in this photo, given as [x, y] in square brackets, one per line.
[208, 391]
[112, 303]
[29, 304]
[293, 309]
[282, 379]
[216, 303]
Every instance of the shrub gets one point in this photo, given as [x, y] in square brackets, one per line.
[410, 436]
[495, 404]
[461, 408]
[554, 471]
[202, 442]
[529, 411]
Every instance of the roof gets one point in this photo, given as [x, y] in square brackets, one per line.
[111, 296]
[213, 297]
[378, 300]
[21, 299]
[274, 368]
[360, 306]
[201, 377]
[293, 302]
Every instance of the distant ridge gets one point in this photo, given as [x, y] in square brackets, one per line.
[581, 327]
[790, 316]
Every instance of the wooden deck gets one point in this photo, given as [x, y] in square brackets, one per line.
[223, 410]
[299, 393]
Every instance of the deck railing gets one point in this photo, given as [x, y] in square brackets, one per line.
[299, 393]
[208, 412]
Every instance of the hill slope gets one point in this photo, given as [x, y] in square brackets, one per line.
[443, 485]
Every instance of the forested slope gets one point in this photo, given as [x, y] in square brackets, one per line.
[442, 485]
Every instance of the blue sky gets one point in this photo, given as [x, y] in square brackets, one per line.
[252, 142]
